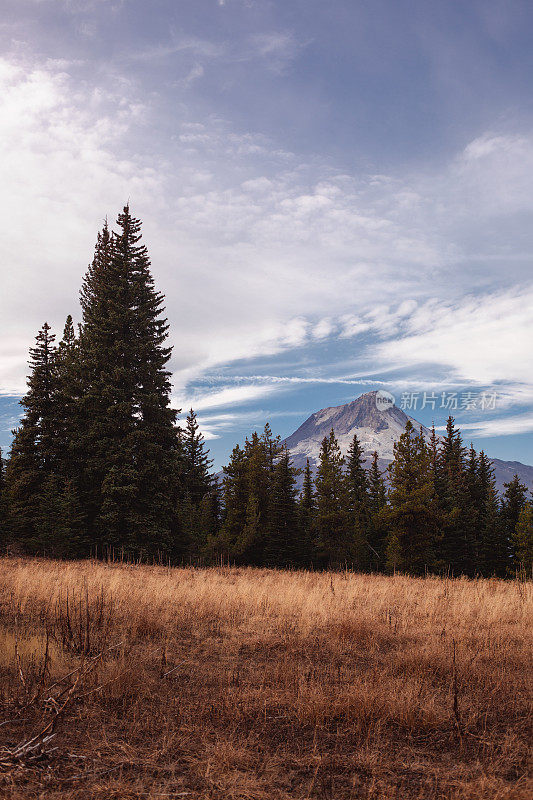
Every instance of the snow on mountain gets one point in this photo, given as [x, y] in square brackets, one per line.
[376, 429]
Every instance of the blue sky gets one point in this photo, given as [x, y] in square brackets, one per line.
[336, 197]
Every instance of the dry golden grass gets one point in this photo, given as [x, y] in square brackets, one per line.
[241, 683]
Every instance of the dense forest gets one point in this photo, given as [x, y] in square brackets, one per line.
[99, 465]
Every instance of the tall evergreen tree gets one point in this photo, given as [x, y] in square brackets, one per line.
[196, 463]
[67, 397]
[377, 492]
[334, 542]
[61, 522]
[412, 514]
[306, 517]
[40, 398]
[523, 541]
[473, 483]
[234, 503]
[513, 501]
[33, 455]
[247, 488]
[129, 446]
[261, 454]
[199, 495]
[377, 499]
[494, 544]
[436, 466]
[358, 503]
[282, 547]
[457, 548]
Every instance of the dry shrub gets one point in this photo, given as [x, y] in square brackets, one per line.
[81, 621]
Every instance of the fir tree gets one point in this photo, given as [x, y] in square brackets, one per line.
[195, 462]
[34, 451]
[434, 452]
[358, 503]
[412, 513]
[306, 517]
[377, 493]
[457, 548]
[67, 398]
[513, 501]
[333, 540]
[195, 485]
[377, 498]
[234, 502]
[494, 544]
[282, 548]
[129, 446]
[476, 505]
[523, 540]
[40, 398]
[247, 491]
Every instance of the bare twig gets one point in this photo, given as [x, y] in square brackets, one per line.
[456, 712]
[18, 659]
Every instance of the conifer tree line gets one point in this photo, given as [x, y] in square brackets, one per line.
[100, 466]
[435, 510]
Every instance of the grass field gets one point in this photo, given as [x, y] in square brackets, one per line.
[241, 683]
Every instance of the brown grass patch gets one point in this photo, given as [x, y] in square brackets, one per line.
[242, 683]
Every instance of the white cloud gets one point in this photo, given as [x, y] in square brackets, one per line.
[488, 145]
[298, 379]
[353, 326]
[323, 328]
[222, 398]
[503, 426]
[191, 45]
[485, 339]
[213, 426]
[278, 48]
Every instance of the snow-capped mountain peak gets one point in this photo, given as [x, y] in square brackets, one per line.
[376, 428]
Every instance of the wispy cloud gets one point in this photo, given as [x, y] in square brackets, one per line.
[228, 396]
[277, 48]
[502, 426]
[295, 379]
[483, 338]
[83, 6]
[191, 45]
